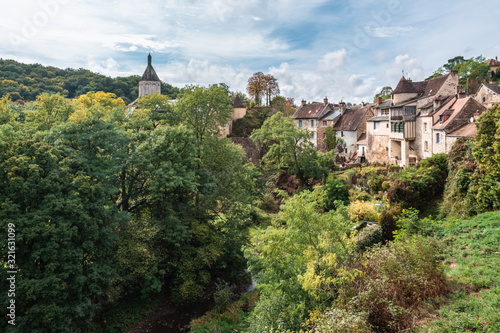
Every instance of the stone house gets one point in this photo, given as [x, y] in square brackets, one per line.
[488, 94]
[328, 120]
[308, 117]
[453, 120]
[410, 103]
[351, 124]
[377, 133]
[494, 64]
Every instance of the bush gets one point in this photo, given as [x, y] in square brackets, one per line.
[223, 296]
[335, 189]
[388, 222]
[397, 279]
[362, 211]
[368, 237]
[342, 321]
[355, 195]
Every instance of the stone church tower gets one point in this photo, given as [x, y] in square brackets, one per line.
[150, 82]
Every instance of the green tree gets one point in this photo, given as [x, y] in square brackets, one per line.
[385, 93]
[50, 109]
[205, 110]
[64, 221]
[289, 148]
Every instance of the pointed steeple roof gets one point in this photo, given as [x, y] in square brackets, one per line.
[149, 73]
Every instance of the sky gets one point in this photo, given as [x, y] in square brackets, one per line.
[315, 48]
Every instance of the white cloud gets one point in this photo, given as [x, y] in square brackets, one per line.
[332, 61]
[404, 62]
[383, 32]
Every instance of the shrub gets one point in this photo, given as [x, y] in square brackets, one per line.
[362, 211]
[368, 237]
[397, 280]
[335, 189]
[375, 183]
[355, 195]
[223, 296]
[342, 321]
[388, 222]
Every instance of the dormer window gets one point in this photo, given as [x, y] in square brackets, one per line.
[441, 119]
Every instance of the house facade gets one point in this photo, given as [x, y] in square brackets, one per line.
[351, 124]
[411, 102]
[377, 133]
[488, 94]
[308, 117]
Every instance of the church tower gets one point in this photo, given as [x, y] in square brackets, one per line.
[150, 82]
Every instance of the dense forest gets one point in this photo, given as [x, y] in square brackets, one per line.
[108, 214]
[24, 82]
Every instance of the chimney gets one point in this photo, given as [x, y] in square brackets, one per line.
[437, 102]
[379, 100]
[303, 102]
[325, 100]
[454, 72]
[461, 92]
[341, 107]
[496, 58]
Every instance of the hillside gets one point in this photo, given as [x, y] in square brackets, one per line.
[24, 82]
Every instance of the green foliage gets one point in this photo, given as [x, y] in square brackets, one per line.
[337, 192]
[362, 211]
[472, 260]
[27, 81]
[369, 236]
[289, 149]
[342, 321]
[204, 110]
[64, 222]
[416, 188]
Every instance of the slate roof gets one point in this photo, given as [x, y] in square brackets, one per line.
[468, 130]
[331, 115]
[362, 140]
[379, 118]
[312, 110]
[493, 87]
[422, 88]
[404, 86]
[237, 102]
[351, 118]
[149, 73]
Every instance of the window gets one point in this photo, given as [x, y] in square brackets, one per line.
[324, 123]
[312, 136]
[300, 123]
[426, 146]
[425, 127]
[384, 112]
[441, 119]
[397, 127]
[341, 134]
[376, 125]
[324, 135]
[438, 138]
[484, 99]
[387, 125]
[312, 123]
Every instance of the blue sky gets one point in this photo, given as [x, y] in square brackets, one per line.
[315, 48]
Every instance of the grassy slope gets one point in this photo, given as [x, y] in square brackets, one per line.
[473, 259]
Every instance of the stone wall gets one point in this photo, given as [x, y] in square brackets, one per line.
[487, 97]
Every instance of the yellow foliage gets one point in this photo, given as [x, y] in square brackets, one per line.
[98, 105]
[362, 211]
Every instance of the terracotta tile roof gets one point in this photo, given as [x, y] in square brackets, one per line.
[312, 110]
[459, 113]
[352, 117]
[492, 62]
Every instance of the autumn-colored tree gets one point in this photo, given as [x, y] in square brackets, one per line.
[262, 85]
